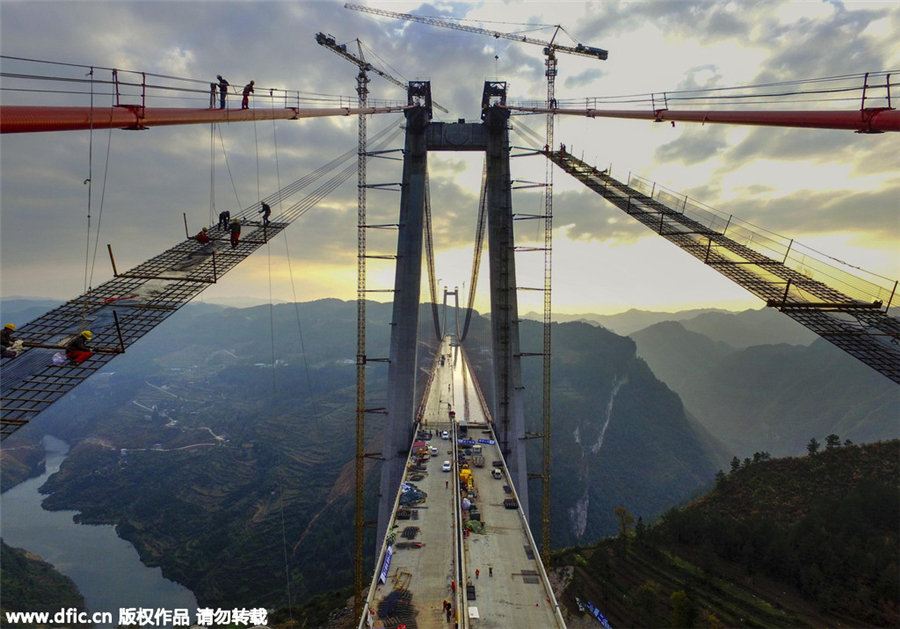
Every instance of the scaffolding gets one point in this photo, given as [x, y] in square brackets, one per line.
[118, 313]
[856, 318]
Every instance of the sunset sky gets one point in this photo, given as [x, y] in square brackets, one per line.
[835, 191]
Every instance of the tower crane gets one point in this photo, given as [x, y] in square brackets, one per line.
[579, 49]
[550, 50]
[341, 49]
[362, 89]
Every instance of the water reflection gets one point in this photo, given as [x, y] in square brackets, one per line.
[106, 569]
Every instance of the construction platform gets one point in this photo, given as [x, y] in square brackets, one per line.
[118, 313]
[451, 540]
[857, 319]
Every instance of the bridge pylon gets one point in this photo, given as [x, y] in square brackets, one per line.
[402, 371]
[422, 135]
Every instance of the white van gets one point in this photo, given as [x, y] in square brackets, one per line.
[476, 449]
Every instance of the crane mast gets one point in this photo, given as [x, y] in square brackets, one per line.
[548, 277]
[362, 89]
[341, 49]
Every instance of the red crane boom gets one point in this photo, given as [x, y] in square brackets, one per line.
[875, 120]
[25, 119]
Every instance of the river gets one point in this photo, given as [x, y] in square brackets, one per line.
[106, 568]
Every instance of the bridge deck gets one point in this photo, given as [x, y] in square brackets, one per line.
[437, 561]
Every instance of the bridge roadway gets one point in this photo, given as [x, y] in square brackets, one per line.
[493, 579]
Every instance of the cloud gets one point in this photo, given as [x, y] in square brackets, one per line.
[585, 216]
[815, 146]
[701, 77]
[822, 212]
[693, 146]
[704, 20]
[583, 78]
[157, 175]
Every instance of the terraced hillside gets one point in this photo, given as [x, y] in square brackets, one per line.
[798, 542]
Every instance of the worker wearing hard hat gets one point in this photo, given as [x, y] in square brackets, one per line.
[235, 232]
[202, 237]
[6, 339]
[266, 211]
[8, 347]
[248, 89]
[77, 350]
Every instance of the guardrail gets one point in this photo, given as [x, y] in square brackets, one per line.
[853, 281]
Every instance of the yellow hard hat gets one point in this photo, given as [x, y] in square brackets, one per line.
[204, 229]
[87, 334]
[10, 326]
[235, 221]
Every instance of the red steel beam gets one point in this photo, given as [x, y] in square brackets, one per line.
[865, 121]
[22, 119]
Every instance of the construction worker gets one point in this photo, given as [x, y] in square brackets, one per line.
[266, 211]
[224, 217]
[6, 339]
[235, 232]
[223, 90]
[8, 347]
[248, 89]
[202, 237]
[77, 350]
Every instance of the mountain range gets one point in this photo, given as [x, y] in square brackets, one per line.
[765, 326]
[769, 397]
[221, 444]
[807, 541]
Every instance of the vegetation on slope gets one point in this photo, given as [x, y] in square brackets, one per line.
[771, 397]
[29, 584]
[808, 541]
[20, 460]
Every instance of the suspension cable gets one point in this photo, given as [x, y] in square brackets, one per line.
[287, 570]
[102, 202]
[228, 166]
[256, 142]
[479, 243]
[212, 172]
[89, 182]
[429, 256]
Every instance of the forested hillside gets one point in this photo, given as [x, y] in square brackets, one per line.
[806, 541]
[617, 432]
[772, 398]
[201, 450]
[30, 584]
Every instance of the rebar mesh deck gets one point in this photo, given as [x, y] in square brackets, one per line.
[863, 330]
[141, 299]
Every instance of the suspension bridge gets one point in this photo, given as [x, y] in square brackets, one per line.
[476, 525]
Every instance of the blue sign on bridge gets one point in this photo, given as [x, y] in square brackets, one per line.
[596, 614]
[387, 564]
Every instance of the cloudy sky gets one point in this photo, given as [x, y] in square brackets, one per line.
[835, 191]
